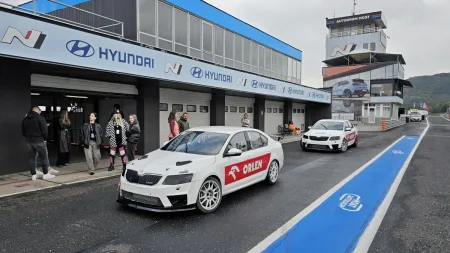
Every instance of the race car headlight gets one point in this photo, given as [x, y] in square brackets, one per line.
[178, 179]
[334, 138]
[305, 137]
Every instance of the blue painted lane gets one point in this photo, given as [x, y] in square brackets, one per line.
[337, 224]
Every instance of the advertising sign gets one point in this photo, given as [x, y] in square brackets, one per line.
[37, 40]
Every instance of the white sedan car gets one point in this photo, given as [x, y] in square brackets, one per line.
[330, 135]
[198, 167]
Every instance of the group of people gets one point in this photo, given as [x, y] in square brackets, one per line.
[176, 127]
[123, 138]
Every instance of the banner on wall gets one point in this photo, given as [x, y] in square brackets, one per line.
[37, 40]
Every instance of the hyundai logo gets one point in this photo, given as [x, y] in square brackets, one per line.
[196, 72]
[80, 48]
[254, 84]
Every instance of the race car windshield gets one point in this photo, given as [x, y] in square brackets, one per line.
[328, 125]
[197, 142]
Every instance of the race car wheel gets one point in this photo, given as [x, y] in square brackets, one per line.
[347, 93]
[209, 196]
[272, 173]
[302, 146]
[344, 146]
[355, 144]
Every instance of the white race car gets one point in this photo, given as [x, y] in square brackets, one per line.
[330, 135]
[198, 167]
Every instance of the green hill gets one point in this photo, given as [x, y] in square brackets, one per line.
[433, 90]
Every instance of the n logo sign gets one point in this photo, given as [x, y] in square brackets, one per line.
[347, 49]
[175, 68]
[242, 81]
[33, 38]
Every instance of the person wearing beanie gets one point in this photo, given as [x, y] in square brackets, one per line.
[116, 132]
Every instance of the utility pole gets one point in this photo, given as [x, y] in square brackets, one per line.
[354, 7]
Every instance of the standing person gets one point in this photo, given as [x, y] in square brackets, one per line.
[116, 108]
[115, 130]
[183, 123]
[34, 129]
[173, 125]
[64, 142]
[133, 135]
[245, 121]
[91, 139]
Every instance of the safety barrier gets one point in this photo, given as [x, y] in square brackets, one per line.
[389, 124]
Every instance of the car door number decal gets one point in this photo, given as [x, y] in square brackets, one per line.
[239, 171]
[350, 136]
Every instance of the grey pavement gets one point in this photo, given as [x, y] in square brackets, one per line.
[418, 219]
[86, 218]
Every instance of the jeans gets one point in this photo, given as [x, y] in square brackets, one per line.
[36, 160]
[41, 149]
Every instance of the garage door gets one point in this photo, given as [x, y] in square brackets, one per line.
[66, 83]
[194, 103]
[298, 115]
[235, 107]
[274, 116]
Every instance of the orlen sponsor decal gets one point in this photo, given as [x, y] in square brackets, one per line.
[350, 136]
[33, 38]
[239, 171]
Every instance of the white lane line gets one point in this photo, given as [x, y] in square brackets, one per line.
[442, 117]
[443, 136]
[261, 246]
[367, 237]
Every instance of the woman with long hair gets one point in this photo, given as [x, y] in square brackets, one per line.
[64, 142]
[173, 125]
[116, 131]
[133, 136]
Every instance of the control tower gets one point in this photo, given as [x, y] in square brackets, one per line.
[356, 33]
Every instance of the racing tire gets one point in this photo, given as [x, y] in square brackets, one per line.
[273, 173]
[302, 146]
[355, 144]
[347, 93]
[209, 196]
[344, 146]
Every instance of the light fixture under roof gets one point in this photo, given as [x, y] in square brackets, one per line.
[70, 96]
[35, 94]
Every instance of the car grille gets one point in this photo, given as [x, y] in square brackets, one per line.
[313, 146]
[148, 200]
[318, 138]
[147, 179]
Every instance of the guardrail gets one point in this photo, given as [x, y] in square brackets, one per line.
[390, 124]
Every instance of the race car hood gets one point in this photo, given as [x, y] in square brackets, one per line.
[170, 163]
[328, 133]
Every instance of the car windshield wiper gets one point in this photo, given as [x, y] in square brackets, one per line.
[324, 126]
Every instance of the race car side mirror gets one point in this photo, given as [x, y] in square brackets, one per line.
[348, 129]
[233, 152]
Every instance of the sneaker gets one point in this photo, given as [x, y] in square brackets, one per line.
[34, 177]
[39, 173]
[111, 168]
[48, 176]
[51, 170]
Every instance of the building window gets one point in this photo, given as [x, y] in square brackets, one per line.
[381, 90]
[238, 48]
[299, 72]
[181, 32]
[247, 51]
[302, 111]
[207, 42]
[275, 110]
[229, 49]
[241, 109]
[191, 108]
[177, 107]
[269, 110]
[147, 22]
[218, 44]
[233, 108]
[163, 107]
[195, 35]
[204, 109]
[366, 29]
[249, 110]
[372, 46]
[261, 59]
[165, 26]
[280, 110]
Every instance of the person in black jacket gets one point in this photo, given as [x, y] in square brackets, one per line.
[133, 135]
[91, 138]
[34, 129]
[116, 110]
[64, 140]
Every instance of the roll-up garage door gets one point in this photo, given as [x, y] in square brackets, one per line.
[236, 107]
[274, 116]
[194, 103]
[65, 83]
[298, 115]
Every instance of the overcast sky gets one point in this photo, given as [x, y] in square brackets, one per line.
[418, 29]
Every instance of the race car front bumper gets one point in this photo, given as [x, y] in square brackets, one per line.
[159, 197]
[321, 145]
